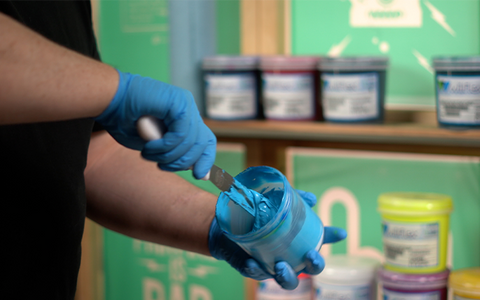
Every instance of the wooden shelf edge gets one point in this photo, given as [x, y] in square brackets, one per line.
[407, 133]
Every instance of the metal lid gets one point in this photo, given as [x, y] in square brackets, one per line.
[230, 62]
[456, 63]
[466, 281]
[404, 281]
[353, 63]
[405, 203]
[292, 63]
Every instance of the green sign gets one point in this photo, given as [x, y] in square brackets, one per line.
[136, 269]
[410, 32]
[348, 183]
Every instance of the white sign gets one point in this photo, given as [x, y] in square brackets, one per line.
[385, 13]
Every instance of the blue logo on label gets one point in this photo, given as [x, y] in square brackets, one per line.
[385, 228]
[443, 85]
[385, 297]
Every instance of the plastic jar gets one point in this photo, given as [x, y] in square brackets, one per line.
[353, 88]
[347, 278]
[457, 87]
[415, 231]
[270, 290]
[289, 87]
[291, 232]
[231, 87]
[399, 286]
[465, 284]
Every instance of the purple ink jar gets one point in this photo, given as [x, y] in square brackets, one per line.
[400, 286]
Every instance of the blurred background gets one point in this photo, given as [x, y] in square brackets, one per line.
[347, 166]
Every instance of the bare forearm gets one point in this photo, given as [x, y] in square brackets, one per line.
[42, 81]
[132, 196]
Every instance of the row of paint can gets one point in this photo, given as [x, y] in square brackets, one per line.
[295, 88]
[362, 278]
[415, 230]
[334, 89]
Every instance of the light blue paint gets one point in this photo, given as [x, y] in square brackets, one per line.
[285, 227]
[243, 196]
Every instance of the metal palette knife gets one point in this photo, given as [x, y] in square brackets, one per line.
[150, 128]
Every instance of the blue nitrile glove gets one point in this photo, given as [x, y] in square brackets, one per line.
[187, 141]
[222, 248]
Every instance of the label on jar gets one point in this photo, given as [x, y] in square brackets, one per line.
[391, 295]
[270, 290]
[230, 96]
[289, 96]
[343, 292]
[458, 99]
[411, 245]
[350, 97]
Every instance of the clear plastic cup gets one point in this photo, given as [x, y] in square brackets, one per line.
[293, 230]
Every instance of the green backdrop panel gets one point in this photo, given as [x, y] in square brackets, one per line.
[410, 32]
[134, 36]
[348, 183]
[228, 26]
[136, 269]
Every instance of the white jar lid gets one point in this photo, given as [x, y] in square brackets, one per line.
[348, 270]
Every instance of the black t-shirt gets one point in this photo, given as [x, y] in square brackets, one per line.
[42, 188]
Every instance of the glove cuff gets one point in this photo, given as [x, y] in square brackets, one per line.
[214, 237]
[123, 83]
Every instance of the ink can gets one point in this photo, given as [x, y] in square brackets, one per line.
[465, 284]
[289, 87]
[292, 231]
[347, 277]
[270, 290]
[401, 286]
[231, 87]
[353, 88]
[457, 91]
[415, 231]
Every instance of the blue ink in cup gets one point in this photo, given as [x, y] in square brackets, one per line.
[291, 232]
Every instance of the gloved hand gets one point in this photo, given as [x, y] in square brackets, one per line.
[222, 248]
[187, 141]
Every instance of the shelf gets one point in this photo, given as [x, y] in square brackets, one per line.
[402, 133]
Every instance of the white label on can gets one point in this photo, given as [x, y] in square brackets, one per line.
[391, 295]
[343, 292]
[230, 96]
[350, 97]
[459, 99]
[411, 245]
[270, 290]
[288, 96]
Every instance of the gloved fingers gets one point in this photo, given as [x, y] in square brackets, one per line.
[193, 155]
[253, 270]
[314, 263]
[333, 234]
[285, 276]
[203, 165]
[171, 146]
[310, 198]
[180, 128]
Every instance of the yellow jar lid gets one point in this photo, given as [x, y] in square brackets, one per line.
[465, 281]
[414, 203]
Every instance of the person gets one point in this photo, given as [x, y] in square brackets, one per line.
[56, 171]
